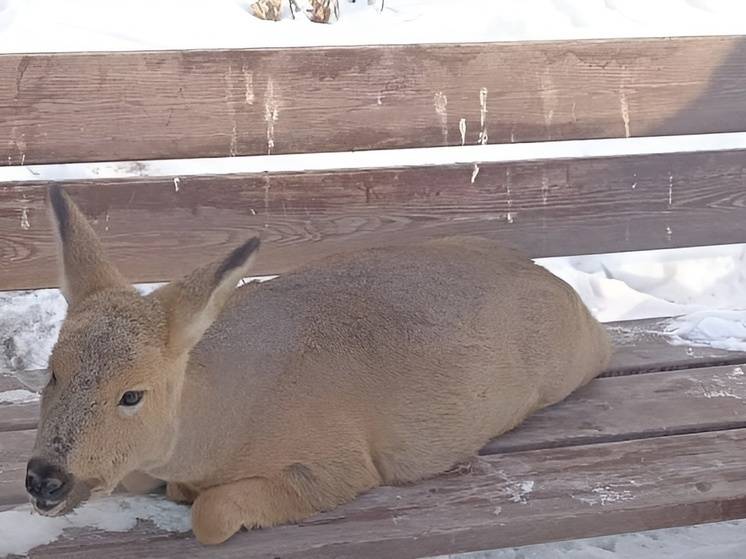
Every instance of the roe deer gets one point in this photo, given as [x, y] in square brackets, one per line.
[267, 403]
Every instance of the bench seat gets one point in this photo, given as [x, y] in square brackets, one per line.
[657, 442]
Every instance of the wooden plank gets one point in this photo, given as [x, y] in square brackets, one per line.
[90, 107]
[559, 493]
[636, 407]
[641, 346]
[15, 450]
[15, 417]
[548, 208]
[607, 410]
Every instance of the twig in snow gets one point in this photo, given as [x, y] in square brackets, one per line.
[293, 7]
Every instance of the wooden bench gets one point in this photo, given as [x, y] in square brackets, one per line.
[651, 445]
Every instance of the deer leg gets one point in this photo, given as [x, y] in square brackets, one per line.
[221, 511]
[139, 482]
[180, 493]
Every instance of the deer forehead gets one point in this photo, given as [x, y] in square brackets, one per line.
[106, 336]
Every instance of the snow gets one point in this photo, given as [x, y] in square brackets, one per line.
[518, 492]
[19, 396]
[723, 329]
[40, 25]
[21, 530]
[604, 494]
[704, 288]
[29, 324]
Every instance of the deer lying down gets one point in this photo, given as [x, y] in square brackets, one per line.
[265, 404]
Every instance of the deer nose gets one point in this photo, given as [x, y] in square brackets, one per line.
[47, 483]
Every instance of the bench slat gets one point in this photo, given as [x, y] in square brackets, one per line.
[17, 416]
[636, 407]
[504, 501]
[155, 231]
[641, 347]
[152, 105]
[15, 450]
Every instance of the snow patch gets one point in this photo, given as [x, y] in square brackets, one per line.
[18, 397]
[722, 329]
[606, 494]
[733, 386]
[21, 529]
[29, 324]
[518, 492]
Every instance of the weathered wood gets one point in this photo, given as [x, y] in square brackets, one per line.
[149, 105]
[16, 416]
[636, 407]
[548, 208]
[641, 346]
[15, 450]
[504, 501]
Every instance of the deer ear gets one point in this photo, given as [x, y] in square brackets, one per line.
[85, 269]
[193, 303]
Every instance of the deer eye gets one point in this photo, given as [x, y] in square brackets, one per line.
[131, 398]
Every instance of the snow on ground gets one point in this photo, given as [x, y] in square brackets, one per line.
[79, 25]
[705, 285]
[21, 530]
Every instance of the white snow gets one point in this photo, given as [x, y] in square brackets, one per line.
[518, 492]
[704, 287]
[723, 329]
[18, 396]
[29, 324]
[21, 529]
[604, 494]
[82, 25]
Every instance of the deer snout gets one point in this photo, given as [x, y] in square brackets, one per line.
[47, 484]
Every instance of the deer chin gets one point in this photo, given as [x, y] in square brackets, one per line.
[80, 493]
[42, 508]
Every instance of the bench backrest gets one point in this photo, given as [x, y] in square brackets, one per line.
[63, 108]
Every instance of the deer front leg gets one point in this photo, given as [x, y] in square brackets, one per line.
[221, 511]
[140, 482]
[180, 493]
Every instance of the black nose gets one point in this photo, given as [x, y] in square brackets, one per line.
[47, 483]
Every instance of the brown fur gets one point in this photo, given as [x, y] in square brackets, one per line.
[383, 366]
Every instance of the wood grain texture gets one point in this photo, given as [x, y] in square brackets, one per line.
[15, 450]
[575, 492]
[14, 417]
[547, 208]
[150, 105]
[636, 407]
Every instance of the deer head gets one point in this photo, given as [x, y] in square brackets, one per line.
[110, 405]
